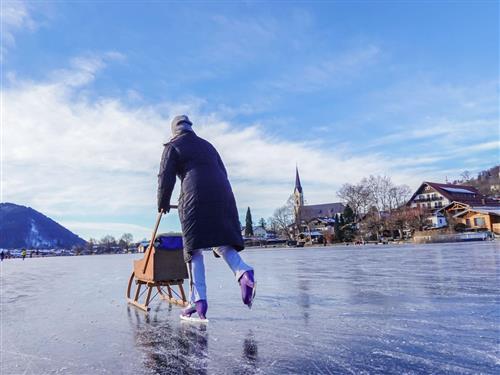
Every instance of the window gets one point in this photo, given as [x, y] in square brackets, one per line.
[479, 222]
[467, 222]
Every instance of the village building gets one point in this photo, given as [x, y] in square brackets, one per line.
[312, 220]
[142, 246]
[258, 232]
[442, 200]
[478, 217]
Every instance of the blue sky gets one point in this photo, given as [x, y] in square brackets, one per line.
[343, 89]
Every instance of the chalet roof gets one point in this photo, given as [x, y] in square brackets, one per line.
[487, 204]
[451, 191]
[310, 212]
[458, 193]
[487, 210]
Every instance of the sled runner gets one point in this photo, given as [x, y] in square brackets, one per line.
[161, 269]
[193, 319]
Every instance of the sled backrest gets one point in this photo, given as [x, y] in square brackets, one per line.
[168, 263]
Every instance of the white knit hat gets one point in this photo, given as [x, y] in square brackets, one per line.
[181, 123]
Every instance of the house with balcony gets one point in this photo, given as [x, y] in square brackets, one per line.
[447, 199]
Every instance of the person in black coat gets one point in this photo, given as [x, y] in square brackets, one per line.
[207, 210]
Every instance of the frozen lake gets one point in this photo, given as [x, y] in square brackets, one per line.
[370, 309]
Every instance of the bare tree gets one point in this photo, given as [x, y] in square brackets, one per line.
[379, 187]
[283, 218]
[125, 240]
[272, 225]
[358, 197]
[90, 244]
[417, 218]
[372, 225]
[398, 196]
[407, 218]
[466, 176]
[374, 200]
[107, 241]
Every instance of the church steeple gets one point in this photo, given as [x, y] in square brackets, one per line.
[298, 201]
[298, 186]
[297, 192]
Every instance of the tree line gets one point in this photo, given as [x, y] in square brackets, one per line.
[108, 242]
[374, 206]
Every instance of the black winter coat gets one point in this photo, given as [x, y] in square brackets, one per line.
[207, 208]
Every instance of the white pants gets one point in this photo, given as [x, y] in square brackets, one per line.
[198, 289]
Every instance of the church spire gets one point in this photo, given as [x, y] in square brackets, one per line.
[298, 201]
[298, 186]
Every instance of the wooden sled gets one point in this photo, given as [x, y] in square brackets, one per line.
[160, 271]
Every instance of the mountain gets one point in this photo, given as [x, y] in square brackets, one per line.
[22, 226]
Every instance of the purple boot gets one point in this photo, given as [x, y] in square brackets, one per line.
[247, 284]
[199, 307]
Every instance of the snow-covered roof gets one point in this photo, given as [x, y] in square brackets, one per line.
[312, 233]
[486, 210]
[481, 209]
[458, 190]
[325, 220]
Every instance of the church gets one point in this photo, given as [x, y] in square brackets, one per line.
[312, 220]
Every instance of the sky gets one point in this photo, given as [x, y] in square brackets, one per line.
[343, 90]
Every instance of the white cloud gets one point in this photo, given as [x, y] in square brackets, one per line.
[328, 71]
[86, 229]
[485, 146]
[15, 16]
[83, 69]
[68, 154]
[441, 131]
[437, 121]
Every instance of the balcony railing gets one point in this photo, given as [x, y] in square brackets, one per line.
[431, 199]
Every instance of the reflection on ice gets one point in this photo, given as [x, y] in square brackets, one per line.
[392, 309]
[166, 347]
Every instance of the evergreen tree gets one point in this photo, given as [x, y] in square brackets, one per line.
[341, 220]
[349, 229]
[348, 215]
[248, 224]
[338, 228]
[262, 223]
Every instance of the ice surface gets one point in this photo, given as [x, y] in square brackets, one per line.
[365, 309]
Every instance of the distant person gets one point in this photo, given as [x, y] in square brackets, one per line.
[31, 254]
[2, 255]
[207, 211]
[23, 253]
